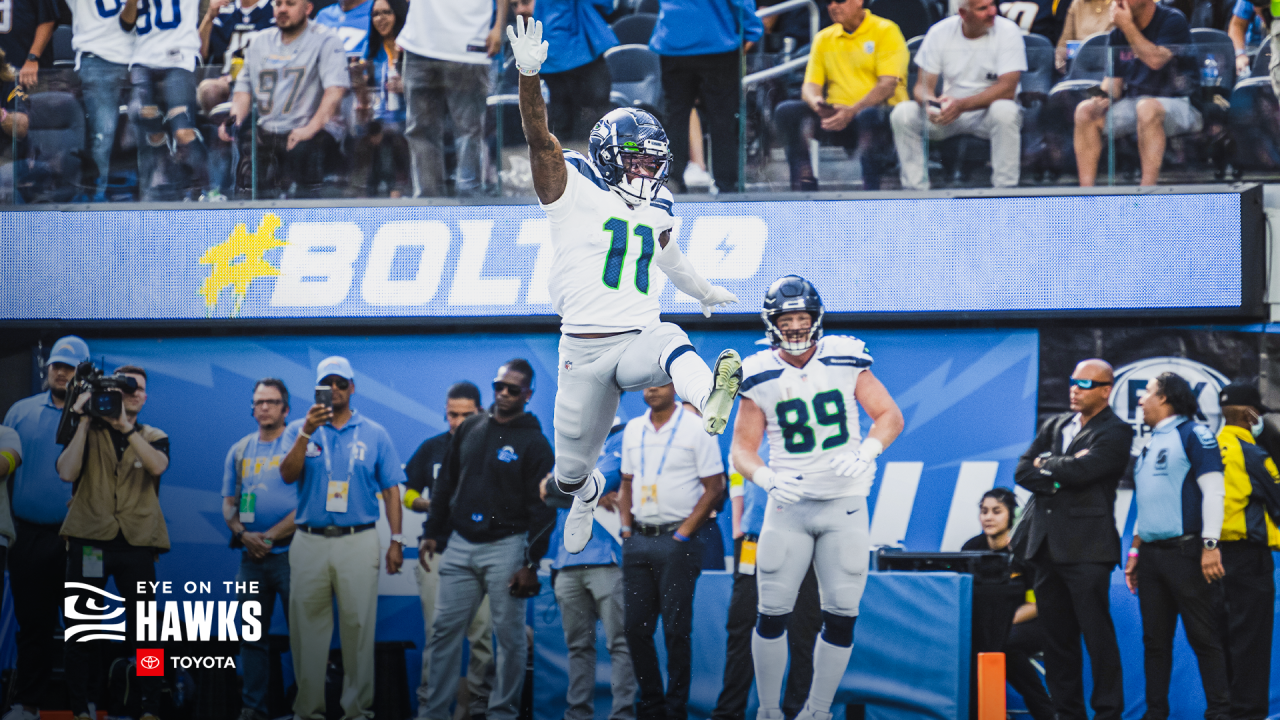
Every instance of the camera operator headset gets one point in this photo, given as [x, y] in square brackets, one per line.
[115, 526]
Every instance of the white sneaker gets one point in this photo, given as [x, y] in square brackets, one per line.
[577, 526]
[696, 176]
[18, 712]
[774, 714]
[809, 713]
[726, 377]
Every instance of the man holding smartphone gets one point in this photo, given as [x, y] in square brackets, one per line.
[979, 57]
[857, 73]
[1144, 96]
[342, 461]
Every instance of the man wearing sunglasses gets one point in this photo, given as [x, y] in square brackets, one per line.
[1068, 531]
[488, 519]
[342, 461]
[857, 72]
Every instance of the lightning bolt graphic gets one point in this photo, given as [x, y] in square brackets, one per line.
[238, 262]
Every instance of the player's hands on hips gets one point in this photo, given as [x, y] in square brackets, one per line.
[783, 488]
[527, 45]
[718, 297]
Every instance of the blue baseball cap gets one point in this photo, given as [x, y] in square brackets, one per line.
[69, 350]
[335, 365]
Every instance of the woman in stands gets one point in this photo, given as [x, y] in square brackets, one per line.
[1025, 638]
[382, 154]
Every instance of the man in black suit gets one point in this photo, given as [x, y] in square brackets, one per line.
[1069, 533]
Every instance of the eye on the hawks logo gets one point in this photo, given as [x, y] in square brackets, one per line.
[92, 615]
[149, 662]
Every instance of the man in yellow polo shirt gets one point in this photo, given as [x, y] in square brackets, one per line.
[857, 72]
[1248, 537]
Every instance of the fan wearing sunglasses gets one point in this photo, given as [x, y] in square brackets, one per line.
[1069, 534]
[857, 72]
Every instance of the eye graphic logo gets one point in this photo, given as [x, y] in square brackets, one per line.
[93, 614]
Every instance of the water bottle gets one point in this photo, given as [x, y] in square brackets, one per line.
[1209, 76]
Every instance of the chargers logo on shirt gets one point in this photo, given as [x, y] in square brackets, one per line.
[508, 454]
[313, 450]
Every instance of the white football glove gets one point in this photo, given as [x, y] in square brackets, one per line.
[718, 297]
[860, 466]
[783, 488]
[527, 45]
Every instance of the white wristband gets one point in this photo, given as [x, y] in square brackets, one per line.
[765, 477]
[870, 449]
[528, 73]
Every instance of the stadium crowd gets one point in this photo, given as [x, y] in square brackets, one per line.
[151, 99]
[300, 500]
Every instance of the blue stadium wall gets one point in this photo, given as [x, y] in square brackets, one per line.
[430, 280]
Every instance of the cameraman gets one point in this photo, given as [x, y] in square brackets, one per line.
[39, 506]
[114, 527]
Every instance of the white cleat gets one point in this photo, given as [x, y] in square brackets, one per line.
[577, 527]
[18, 712]
[726, 378]
[809, 713]
[774, 714]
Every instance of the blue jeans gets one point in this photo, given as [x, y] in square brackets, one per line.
[272, 575]
[101, 82]
[433, 88]
[164, 103]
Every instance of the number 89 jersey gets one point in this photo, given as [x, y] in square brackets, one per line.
[602, 276]
[811, 412]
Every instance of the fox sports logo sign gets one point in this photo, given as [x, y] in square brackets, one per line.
[1131, 385]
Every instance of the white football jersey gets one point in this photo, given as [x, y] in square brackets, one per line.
[95, 28]
[603, 277]
[811, 412]
[168, 34]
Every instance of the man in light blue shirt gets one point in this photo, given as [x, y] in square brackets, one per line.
[39, 506]
[259, 509]
[1179, 489]
[588, 585]
[342, 461]
[350, 19]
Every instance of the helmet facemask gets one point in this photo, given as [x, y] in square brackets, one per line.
[641, 169]
[793, 342]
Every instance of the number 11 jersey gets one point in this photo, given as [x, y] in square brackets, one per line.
[811, 412]
[603, 278]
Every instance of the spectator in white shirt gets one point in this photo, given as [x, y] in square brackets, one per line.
[672, 477]
[980, 57]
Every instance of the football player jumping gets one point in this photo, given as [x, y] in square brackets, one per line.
[611, 221]
[804, 392]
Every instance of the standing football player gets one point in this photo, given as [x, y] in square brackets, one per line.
[805, 393]
[611, 221]
[162, 72]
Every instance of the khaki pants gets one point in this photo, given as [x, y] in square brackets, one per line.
[479, 634]
[320, 569]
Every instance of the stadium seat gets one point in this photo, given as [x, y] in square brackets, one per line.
[1038, 79]
[56, 140]
[635, 29]
[913, 17]
[63, 55]
[1254, 126]
[1090, 62]
[637, 77]
[913, 47]
[1262, 62]
[1216, 43]
[648, 6]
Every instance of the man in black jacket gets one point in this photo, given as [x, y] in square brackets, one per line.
[487, 510]
[1069, 533]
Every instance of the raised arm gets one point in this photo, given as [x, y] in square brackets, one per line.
[546, 159]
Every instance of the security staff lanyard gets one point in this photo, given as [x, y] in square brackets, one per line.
[339, 492]
[649, 491]
[249, 500]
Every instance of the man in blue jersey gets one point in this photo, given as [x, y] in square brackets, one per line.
[39, 506]
[1174, 564]
[350, 19]
[588, 587]
[259, 508]
[577, 77]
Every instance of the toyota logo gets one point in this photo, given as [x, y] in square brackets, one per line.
[151, 662]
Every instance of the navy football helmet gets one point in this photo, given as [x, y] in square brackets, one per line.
[630, 138]
[790, 293]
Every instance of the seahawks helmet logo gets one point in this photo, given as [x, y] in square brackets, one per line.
[95, 615]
